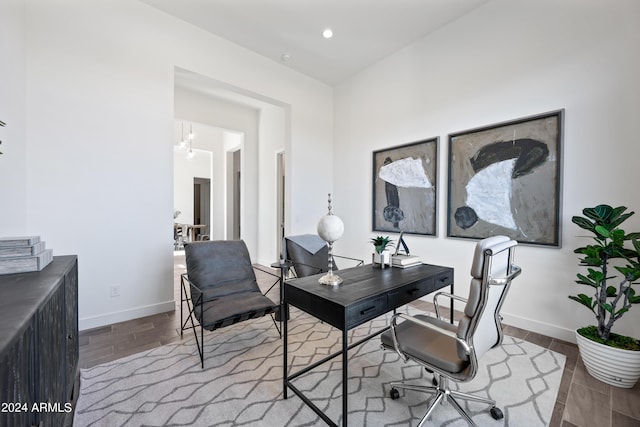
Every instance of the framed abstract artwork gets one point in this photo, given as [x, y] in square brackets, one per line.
[506, 179]
[404, 188]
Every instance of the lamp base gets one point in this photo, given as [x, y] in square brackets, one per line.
[330, 279]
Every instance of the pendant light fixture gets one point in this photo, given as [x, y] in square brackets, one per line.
[183, 143]
[191, 154]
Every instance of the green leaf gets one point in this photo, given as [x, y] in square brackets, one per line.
[583, 223]
[617, 220]
[618, 235]
[622, 311]
[583, 299]
[599, 214]
[584, 280]
[595, 275]
[611, 291]
[631, 273]
[607, 307]
[602, 230]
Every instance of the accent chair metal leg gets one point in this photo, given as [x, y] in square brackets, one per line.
[276, 325]
[201, 346]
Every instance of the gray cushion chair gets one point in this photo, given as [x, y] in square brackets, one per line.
[452, 352]
[308, 254]
[220, 288]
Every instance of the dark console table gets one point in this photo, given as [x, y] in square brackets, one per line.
[39, 345]
[365, 293]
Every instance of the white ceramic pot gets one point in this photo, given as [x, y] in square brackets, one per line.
[614, 366]
[381, 259]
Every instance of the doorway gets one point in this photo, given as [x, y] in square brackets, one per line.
[234, 194]
[201, 208]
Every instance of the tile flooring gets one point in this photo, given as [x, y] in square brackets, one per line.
[582, 400]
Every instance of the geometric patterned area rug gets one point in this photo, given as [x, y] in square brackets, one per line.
[241, 383]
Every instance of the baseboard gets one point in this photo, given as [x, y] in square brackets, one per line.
[124, 315]
[543, 328]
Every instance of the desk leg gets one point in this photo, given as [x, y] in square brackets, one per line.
[345, 377]
[285, 333]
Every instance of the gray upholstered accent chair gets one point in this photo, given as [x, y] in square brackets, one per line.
[308, 254]
[452, 352]
[220, 288]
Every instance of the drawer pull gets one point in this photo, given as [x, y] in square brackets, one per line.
[368, 309]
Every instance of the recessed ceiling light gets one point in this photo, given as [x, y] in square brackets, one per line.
[285, 57]
[327, 34]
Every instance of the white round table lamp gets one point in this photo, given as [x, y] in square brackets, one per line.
[330, 229]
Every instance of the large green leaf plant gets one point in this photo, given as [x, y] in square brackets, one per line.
[610, 296]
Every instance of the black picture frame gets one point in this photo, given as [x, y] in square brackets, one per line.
[506, 179]
[404, 188]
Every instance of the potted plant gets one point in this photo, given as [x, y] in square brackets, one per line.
[609, 357]
[381, 256]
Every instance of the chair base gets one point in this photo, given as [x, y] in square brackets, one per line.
[442, 391]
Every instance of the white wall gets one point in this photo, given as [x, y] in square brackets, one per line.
[13, 86]
[272, 141]
[504, 61]
[100, 135]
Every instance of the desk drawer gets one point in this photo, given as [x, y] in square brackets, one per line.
[410, 293]
[445, 279]
[366, 310]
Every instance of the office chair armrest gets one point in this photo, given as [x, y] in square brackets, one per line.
[294, 263]
[501, 281]
[448, 295]
[394, 336]
[360, 261]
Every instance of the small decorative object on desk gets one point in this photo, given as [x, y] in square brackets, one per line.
[330, 229]
[381, 256]
[23, 254]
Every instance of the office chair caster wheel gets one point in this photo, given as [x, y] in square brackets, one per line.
[394, 394]
[496, 413]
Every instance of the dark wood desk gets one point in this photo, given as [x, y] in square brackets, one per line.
[365, 293]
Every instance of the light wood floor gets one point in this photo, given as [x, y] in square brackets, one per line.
[582, 400]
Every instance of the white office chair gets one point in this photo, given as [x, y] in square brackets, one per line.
[450, 351]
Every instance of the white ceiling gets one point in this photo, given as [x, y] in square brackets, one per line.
[365, 31]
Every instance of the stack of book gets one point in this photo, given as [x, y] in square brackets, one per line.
[404, 261]
[23, 254]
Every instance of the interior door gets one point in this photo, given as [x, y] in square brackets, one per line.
[201, 207]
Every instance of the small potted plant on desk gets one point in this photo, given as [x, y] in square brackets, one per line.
[381, 255]
[609, 357]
